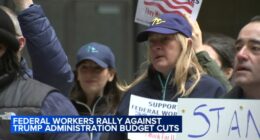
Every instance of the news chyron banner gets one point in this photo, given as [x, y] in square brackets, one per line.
[108, 124]
[148, 9]
[150, 107]
[219, 119]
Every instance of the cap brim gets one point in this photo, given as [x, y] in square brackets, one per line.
[99, 62]
[9, 40]
[143, 36]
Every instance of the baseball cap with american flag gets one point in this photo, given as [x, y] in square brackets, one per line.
[169, 23]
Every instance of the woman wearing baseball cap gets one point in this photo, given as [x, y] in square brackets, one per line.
[97, 90]
[173, 70]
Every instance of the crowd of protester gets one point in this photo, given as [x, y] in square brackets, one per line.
[182, 62]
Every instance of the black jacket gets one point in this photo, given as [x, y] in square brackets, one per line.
[151, 88]
[235, 93]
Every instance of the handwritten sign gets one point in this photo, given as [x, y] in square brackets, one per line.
[148, 9]
[145, 106]
[219, 119]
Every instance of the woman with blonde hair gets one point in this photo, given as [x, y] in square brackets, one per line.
[173, 69]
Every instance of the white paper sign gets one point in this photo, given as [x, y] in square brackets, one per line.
[145, 106]
[219, 119]
[148, 9]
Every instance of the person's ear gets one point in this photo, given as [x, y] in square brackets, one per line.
[111, 75]
[22, 42]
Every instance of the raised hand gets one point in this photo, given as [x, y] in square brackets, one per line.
[196, 34]
[22, 4]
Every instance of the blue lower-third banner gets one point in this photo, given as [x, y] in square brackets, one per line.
[52, 124]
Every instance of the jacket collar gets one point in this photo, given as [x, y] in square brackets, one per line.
[85, 109]
[153, 77]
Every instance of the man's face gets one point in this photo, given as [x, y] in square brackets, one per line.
[2, 50]
[247, 59]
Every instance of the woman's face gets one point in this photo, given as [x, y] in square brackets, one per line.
[93, 78]
[164, 50]
[213, 54]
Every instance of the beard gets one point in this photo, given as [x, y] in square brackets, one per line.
[9, 68]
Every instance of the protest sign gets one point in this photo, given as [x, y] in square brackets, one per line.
[147, 107]
[219, 119]
[148, 9]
